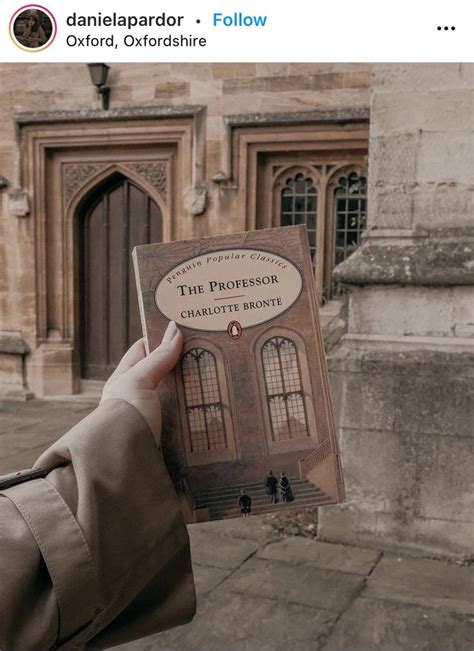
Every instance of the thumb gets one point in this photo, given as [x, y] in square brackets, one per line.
[151, 370]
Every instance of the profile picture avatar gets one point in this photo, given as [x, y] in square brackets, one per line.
[33, 28]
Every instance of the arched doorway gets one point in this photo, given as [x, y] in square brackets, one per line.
[116, 216]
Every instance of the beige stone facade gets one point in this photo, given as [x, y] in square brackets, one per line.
[210, 125]
[213, 146]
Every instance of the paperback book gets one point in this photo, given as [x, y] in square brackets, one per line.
[248, 426]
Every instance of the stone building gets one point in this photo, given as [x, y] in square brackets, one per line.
[196, 149]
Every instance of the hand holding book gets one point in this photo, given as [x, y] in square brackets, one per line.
[250, 392]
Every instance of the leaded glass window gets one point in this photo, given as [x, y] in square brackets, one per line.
[299, 206]
[350, 207]
[203, 401]
[285, 396]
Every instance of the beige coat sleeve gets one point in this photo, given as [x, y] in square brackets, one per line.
[96, 553]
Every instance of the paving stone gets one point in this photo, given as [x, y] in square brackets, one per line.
[53, 427]
[254, 528]
[30, 428]
[245, 623]
[215, 551]
[10, 421]
[34, 435]
[300, 584]
[168, 640]
[44, 408]
[15, 407]
[419, 581]
[234, 622]
[207, 578]
[342, 558]
[379, 625]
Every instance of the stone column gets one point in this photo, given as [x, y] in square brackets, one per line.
[403, 377]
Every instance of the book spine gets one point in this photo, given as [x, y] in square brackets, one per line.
[324, 375]
[140, 301]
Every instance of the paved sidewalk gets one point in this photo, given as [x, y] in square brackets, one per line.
[262, 590]
[256, 593]
[28, 428]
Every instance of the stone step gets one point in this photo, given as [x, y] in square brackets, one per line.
[256, 497]
[268, 505]
[223, 514]
[223, 502]
[251, 487]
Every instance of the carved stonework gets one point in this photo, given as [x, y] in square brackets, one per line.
[195, 200]
[155, 173]
[18, 203]
[75, 175]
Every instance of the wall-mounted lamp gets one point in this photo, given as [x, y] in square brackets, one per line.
[3, 183]
[99, 72]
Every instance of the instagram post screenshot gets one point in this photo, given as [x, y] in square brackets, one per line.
[236, 326]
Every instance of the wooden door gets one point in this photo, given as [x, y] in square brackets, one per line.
[116, 217]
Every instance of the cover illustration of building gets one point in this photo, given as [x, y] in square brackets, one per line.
[251, 392]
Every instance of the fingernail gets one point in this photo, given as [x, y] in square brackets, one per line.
[176, 332]
[170, 332]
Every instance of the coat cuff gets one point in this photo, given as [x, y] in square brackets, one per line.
[64, 550]
[112, 476]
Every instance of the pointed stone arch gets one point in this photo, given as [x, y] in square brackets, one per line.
[79, 179]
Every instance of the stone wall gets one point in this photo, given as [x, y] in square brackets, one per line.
[403, 377]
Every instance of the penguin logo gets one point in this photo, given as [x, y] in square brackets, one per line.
[234, 330]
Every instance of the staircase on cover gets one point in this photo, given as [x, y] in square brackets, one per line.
[223, 502]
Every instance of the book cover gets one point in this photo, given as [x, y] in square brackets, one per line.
[247, 418]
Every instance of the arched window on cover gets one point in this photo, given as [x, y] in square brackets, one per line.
[299, 206]
[284, 391]
[204, 406]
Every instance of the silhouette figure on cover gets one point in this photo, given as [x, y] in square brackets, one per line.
[285, 488]
[272, 487]
[245, 503]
